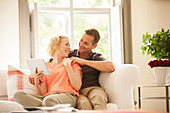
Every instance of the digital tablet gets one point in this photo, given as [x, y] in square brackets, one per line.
[39, 63]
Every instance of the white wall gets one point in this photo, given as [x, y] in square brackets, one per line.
[148, 16]
[9, 41]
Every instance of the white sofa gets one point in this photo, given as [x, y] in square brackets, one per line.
[118, 85]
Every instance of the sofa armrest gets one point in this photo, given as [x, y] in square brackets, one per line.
[3, 85]
[119, 85]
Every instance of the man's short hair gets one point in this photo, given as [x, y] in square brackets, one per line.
[93, 32]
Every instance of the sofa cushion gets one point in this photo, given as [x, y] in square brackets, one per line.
[18, 80]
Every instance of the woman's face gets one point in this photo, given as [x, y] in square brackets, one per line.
[64, 47]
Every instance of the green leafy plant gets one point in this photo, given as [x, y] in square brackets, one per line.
[157, 45]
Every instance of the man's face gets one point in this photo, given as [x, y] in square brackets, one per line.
[85, 44]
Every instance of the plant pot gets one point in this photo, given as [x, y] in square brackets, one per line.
[162, 75]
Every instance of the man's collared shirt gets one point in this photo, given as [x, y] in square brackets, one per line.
[90, 75]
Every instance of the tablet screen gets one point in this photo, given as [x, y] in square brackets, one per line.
[39, 63]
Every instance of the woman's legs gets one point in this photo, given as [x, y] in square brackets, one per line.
[60, 98]
[27, 100]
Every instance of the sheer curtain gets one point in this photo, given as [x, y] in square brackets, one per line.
[24, 32]
[122, 26]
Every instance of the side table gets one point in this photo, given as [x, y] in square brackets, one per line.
[165, 97]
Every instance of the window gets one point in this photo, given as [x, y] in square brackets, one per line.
[72, 18]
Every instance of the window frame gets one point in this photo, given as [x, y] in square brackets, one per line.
[73, 11]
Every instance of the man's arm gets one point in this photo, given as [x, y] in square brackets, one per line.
[104, 66]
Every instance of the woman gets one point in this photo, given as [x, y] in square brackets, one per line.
[62, 86]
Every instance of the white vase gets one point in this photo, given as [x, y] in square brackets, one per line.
[162, 75]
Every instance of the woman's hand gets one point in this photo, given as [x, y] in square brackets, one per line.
[36, 78]
[67, 62]
[31, 79]
[38, 81]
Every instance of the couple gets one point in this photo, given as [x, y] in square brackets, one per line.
[65, 86]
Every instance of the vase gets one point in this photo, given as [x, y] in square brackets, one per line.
[162, 75]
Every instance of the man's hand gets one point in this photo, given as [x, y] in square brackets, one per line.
[78, 60]
[104, 66]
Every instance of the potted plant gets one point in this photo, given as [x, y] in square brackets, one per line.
[158, 46]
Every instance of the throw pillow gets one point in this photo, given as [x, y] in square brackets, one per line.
[17, 80]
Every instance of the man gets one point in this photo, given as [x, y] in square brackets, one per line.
[92, 96]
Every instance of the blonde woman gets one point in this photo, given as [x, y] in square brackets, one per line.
[64, 83]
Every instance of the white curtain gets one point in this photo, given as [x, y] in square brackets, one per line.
[126, 48]
[24, 32]
[117, 35]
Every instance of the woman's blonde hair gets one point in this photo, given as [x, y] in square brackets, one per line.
[54, 44]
